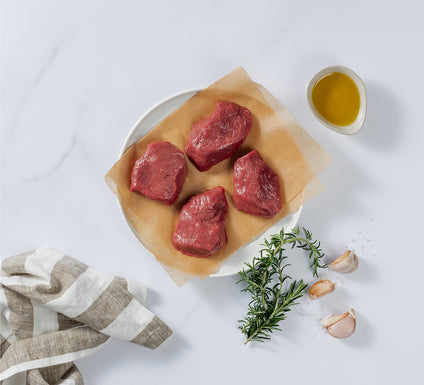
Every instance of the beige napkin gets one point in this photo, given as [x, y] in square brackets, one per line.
[55, 309]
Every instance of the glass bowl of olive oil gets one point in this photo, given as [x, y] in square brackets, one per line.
[338, 99]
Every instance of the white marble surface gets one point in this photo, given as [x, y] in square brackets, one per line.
[76, 75]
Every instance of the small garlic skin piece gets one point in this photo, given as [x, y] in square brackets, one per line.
[341, 325]
[320, 288]
[346, 263]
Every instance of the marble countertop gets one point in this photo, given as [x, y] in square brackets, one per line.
[77, 75]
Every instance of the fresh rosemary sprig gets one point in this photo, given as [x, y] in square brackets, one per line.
[264, 279]
[304, 242]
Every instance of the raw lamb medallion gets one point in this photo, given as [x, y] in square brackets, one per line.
[200, 230]
[256, 186]
[160, 172]
[218, 136]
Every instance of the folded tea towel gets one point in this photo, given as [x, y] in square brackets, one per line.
[55, 309]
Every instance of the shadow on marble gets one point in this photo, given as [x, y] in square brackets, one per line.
[363, 338]
[382, 130]
[153, 298]
[366, 273]
[118, 354]
[218, 291]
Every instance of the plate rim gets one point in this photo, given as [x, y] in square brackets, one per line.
[125, 145]
[124, 148]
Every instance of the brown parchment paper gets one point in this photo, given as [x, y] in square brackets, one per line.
[282, 143]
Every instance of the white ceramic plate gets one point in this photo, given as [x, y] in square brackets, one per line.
[150, 119]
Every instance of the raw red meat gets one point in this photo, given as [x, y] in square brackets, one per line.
[160, 172]
[256, 186]
[219, 136]
[200, 229]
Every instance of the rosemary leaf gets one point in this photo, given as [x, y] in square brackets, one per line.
[265, 281]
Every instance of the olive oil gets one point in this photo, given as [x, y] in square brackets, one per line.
[336, 98]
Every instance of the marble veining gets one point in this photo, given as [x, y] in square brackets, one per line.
[56, 165]
[38, 78]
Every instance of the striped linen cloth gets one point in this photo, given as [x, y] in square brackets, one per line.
[55, 309]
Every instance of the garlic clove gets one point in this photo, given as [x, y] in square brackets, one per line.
[346, 263]
[320, 288]
[341, 325]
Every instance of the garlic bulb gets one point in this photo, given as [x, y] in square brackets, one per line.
[341, 325]
[346, 263]
[320, 288]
